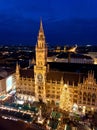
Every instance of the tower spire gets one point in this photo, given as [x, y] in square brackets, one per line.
[41, 35]
[41, 26]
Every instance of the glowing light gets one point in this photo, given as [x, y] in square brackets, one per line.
[9, 83]
[84, 109]
[75, 107]
[65, 85]
[20, 102]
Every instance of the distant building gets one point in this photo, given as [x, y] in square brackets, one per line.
[93, 55]
[7, 80]
[65, 49]
[70, 57]
[61, 83]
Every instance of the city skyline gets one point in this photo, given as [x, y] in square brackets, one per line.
[66, 22]
[51, 91]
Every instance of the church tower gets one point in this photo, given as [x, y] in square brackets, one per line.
[41, 65]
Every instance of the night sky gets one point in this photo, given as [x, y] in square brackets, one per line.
[65, 21]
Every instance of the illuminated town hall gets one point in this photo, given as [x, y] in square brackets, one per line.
[45, 81]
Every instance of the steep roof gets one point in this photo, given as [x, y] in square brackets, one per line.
[72, 67]
[71, 73]
[5, 72]
[68, 77]
[73, 55]
[27, 73]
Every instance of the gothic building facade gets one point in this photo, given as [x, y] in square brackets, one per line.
[44, 81]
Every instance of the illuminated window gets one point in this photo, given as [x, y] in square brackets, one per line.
[48, 91]
[39, 92]
[93, 100]
[84, 99]
[58, 82]
[47, 95]
[76, 91]
[80, 93]
[58, 92]
[76, 96]
[57, 96]
[84, 94]
[89, 100]
[53, 96]
[94, 96]
[80, 97]
[75, 101]
[53, 87]
[40, 96]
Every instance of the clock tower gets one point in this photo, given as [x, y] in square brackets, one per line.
[41, 65]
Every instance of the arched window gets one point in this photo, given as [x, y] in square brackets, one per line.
[93, 96]
[84, 98]
[89, 95]
[80, 93]
[89, 100]
[84, 94]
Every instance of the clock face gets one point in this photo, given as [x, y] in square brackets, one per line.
[39, 77]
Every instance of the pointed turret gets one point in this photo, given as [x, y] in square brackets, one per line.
[17, 67]
[62, 81]
[33, 61]
[41, 27]
[17, 70]
[41, 36]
